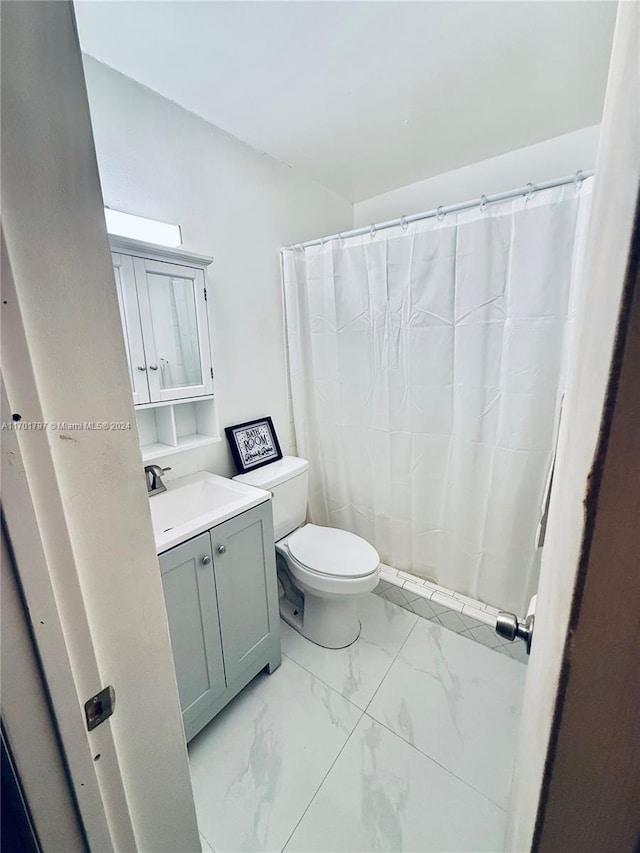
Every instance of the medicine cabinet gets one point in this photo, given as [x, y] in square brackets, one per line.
[163, 305]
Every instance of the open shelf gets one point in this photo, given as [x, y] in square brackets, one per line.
[189, 442]
[169, 429]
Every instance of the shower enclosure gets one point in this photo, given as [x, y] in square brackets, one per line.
[426, 363]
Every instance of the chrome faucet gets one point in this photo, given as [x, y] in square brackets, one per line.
[154, 473]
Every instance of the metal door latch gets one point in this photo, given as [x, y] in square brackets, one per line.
[511, 628]
[100, 707]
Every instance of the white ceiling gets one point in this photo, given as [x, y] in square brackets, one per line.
[365, 97]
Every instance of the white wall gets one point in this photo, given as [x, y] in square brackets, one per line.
[232, 202]
[544, 161]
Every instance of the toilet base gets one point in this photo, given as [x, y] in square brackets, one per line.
[326, 622]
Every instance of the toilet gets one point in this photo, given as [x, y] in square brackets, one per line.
[322, 570]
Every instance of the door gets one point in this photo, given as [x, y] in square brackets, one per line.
[130, 316]
[190, 596]
[175, 329]
[244, 557]
[78, 523]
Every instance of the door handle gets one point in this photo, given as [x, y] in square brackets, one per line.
[205, 560]
[511, 628]
[221, 549]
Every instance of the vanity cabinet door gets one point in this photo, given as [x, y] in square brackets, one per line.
[190, 595]
[130, 316]
[244, 559]
[175, 329]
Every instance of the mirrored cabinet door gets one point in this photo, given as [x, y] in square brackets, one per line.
[174, 329]
[130, 316]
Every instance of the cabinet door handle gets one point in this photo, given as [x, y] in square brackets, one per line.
[205, 560]
[221, 549]
[142, 367]
[153, 367]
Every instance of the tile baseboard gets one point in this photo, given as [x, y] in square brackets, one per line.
[434, 602]
[484, 613]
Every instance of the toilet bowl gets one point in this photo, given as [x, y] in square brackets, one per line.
[322, 570]
[331, 568]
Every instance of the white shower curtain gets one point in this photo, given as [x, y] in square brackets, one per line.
[426, 370]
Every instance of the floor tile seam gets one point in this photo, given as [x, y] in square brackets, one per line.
[402, 645]
[200, 832]
[450, 631]
[435, 761]
[349, 702]
[322, 681]
[324, 778]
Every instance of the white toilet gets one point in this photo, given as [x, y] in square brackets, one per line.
[322, 570]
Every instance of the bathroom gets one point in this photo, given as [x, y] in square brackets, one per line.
[382, 710]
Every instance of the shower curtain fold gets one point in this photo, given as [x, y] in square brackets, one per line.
[426, 366]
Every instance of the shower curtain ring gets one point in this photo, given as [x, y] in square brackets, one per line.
[440, 214]
[403, 223]
[530, 191]
[483, 203]
[372, 231]
[578, 178]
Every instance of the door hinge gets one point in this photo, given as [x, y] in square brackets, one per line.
[212, 372]
[100, 707]
[205, 294]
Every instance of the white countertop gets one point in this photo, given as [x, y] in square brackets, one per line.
[197, 502]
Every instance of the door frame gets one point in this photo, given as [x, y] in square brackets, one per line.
[575, 786]
[590, 797]
[27, 719]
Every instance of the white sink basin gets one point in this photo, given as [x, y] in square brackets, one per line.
[195, 503]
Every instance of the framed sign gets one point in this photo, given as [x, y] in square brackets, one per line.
[253, 444]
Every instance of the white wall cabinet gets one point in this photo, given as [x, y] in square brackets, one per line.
[164, 318]
[130, 316]
[222, 604]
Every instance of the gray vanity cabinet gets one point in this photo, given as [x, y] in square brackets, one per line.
[246, 591]
[190, 595]
[222, 604]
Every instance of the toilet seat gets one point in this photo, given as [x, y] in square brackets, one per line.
[332, 553]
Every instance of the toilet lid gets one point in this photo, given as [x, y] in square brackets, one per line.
[330, 551]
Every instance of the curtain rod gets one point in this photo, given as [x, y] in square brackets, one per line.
[441, 212]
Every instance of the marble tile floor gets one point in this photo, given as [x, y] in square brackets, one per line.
[439, 609]
[404, 741]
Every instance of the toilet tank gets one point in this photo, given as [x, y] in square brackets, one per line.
[288, 481]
